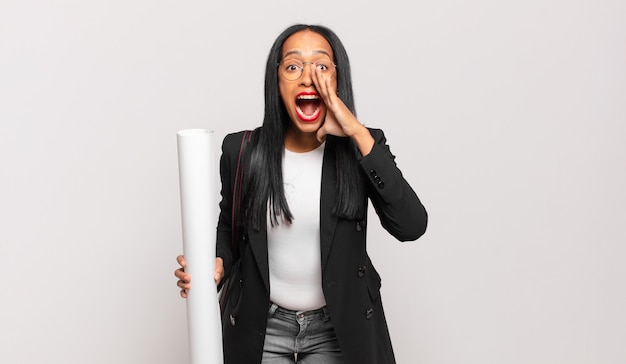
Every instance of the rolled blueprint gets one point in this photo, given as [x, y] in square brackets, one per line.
[198, 197]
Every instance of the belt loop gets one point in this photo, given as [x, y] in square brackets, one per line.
[326, 315]
[272, 309]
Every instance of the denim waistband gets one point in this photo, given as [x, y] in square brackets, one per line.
[276, 309]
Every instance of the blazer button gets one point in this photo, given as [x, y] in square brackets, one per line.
[381, 185]
[361, 272]
[232, 320]
[373, 173]
[369, 313]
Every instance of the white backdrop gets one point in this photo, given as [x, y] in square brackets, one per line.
[508, 118]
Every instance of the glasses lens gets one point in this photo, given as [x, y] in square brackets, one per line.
[291, 69]
[326, 66]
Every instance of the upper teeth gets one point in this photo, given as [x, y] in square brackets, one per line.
[308, 97]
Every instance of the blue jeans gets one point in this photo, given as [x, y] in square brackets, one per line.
[300, 337]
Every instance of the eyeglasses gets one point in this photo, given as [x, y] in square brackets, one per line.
[292, 69]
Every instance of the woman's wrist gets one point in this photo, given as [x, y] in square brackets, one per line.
[363, 140]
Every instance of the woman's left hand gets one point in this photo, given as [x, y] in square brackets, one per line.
[339, 119]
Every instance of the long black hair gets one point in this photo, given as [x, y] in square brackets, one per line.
[263, 187]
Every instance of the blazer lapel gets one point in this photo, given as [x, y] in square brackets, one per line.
[258, 243]
[328, 220]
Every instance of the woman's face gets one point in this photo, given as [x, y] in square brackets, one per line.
[304, 105]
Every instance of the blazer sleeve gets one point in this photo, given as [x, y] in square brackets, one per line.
[399, 209]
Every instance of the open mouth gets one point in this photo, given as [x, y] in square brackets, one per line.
[308, 106]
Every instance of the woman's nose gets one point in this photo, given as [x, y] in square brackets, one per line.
[307, 79]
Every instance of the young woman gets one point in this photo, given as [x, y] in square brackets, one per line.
[304, 289]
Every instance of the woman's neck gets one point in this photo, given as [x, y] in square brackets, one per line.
[298, 142]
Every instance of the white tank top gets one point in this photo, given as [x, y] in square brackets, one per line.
[294, 253]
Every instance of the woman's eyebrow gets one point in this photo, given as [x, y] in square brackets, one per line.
[299, 53]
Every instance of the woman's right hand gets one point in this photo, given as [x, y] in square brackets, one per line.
[184, 279]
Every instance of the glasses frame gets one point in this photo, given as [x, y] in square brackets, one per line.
[302, 70]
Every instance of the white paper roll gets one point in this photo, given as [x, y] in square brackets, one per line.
[198, 197]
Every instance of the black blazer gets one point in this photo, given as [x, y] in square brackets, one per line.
[351, 285]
